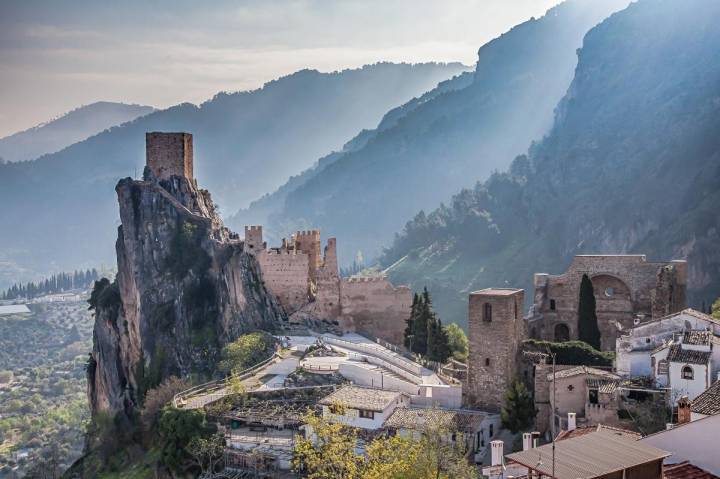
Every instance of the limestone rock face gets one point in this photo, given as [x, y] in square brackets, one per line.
[184, 288]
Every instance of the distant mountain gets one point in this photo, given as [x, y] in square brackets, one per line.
[61, 209]
[430, 148]
[70, 128]
[632, 165]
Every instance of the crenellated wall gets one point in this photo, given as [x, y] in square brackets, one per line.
[309, 283]
[375, 306]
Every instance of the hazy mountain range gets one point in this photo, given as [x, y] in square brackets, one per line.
[631, 165]
[62, 209]
[70, 128]
[427, 150]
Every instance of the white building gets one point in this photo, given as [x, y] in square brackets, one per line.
[635, 347]
[361, 407]
[474, 430]
[695, 441]
[684, 365]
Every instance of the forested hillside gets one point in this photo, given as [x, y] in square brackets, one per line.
[454, 138]
[632, 165]
[70, 128]
[64, 211]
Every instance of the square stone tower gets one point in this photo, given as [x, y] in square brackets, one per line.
[309, 243]
[254, 239]
[496, 330]
[169, 154]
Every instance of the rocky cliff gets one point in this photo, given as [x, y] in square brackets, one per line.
[184, 288]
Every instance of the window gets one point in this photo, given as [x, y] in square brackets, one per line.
[336, 409]
[487, 312]
[487, 361]
[365, 414]
[662, 366]
[609, 292]
[552, 304]
[491, 430]
[571, 388]
[593, 396]
[687, 372]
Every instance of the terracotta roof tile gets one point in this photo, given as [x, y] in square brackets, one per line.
[679, 355]
[708, 402]
[697, 337]
[582, 430]
[356, 397]
[685, 470]
[416, 418]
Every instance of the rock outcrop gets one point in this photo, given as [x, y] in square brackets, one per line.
[184, 288]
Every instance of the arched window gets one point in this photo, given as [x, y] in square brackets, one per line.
[687, 372]
[487, 361]
[562, 332]
[552, 304]
[487, 312]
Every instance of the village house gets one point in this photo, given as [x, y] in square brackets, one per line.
[362, 407]
[683, 365]
[635, 347]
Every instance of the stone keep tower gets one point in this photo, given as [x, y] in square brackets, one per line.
[169, 154]
[309, 243]
[496, 330]
[254, 239]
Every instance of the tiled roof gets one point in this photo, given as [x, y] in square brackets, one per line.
[589, 455]
[685, 470]
[453, 419]
[603, 385]
[697, 337]
[708, 402]
[698, 314]
[361, 398]
[679, 355]
[577, 370]
[582, 430]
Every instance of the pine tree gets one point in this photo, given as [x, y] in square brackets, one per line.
[518, 410]
[588, 330]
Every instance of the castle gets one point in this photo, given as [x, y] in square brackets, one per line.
[304, 279]
[307, 283]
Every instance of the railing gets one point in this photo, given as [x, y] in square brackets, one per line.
[214, 390]
[379, 352]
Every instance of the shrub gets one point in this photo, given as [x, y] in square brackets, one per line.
[572, 353]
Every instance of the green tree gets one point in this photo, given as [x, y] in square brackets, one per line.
[519, 410]
[715, 309]
[420, 325]
[177, 427]
[458, 341]
[588, 330]
[246, 351]
[410, 322]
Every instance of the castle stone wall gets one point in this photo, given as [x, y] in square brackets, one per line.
[496, 330]
[375, 306]
[169, 154]
[628, 289]
[286, 275]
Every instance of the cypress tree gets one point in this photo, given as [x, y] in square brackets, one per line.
[588, 330]
[410, 322]
[518, 410]
[420, 325]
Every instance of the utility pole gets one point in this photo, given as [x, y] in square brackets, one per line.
[553, 423]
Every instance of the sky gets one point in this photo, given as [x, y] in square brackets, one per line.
[58, 55]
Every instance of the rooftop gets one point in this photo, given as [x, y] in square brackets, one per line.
[497, 291]
[357, 397]
[708, 402]
[685, 470]
[14, 309]
[697, 338]
[590, 455]
[603, 385]
[454, 419]
[577, 370]
[583, 430]
[679, 355]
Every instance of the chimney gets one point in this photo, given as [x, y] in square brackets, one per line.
[571, 421]
[668, 425]
[527, 441]
[535, 438]
[683, 410]
[497, 453]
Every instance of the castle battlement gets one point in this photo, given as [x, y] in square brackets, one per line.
[285, 252]
[365, 279]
